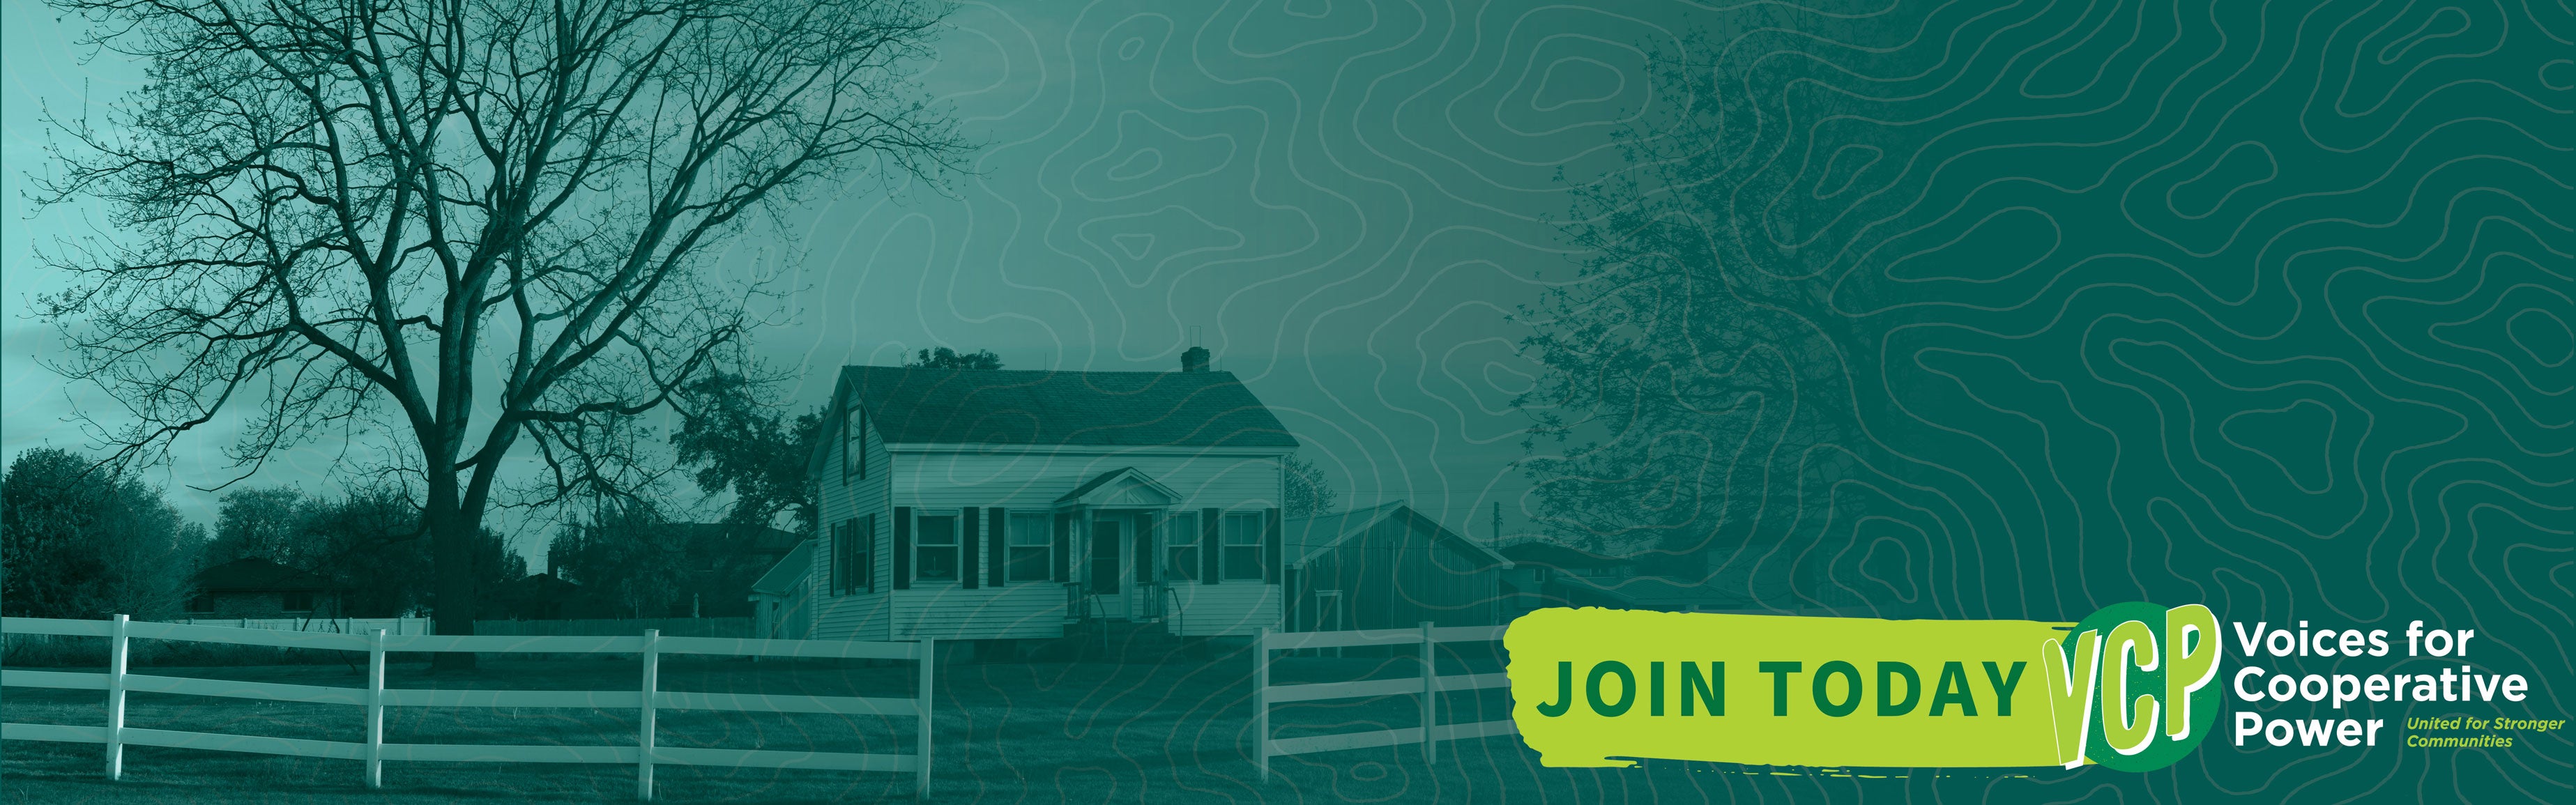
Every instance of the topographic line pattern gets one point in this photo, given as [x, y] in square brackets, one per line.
[2265, 306]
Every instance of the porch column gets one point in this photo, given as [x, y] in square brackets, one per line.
[1081, 557]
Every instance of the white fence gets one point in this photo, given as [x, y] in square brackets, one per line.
[376, 697]
[1429, 686]
[358, 626]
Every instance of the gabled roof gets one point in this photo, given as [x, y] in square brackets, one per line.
[1562, 557]
[255, 574]
[783, 578]
[1309, 537]
[1141, 480]
[1052, 408]
[546, 583]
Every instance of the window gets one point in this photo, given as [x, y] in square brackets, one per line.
[1032, 548]
[1182, 546]
[297, 602]
[935, 548]
[854, 441]
[851, 570]
[1242, 547]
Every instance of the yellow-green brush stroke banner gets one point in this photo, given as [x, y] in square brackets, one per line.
[1594, 687]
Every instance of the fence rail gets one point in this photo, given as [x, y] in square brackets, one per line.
[357, 626]
[1428, 686]
[647, 698]
[670, 627]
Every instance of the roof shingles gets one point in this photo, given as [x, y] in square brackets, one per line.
[1118, 409]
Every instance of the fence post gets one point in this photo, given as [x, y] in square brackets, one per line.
[116, 653]
[1261, 700]
[375, 708]
[921, 773]
[1430, 698]
[644, 737]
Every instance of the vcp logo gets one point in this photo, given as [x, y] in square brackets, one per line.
[2129, 687]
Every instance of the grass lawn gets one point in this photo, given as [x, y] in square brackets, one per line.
[1173, 730]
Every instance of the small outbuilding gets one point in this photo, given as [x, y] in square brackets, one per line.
[258, 588]
[1388, 567]
[778, 599]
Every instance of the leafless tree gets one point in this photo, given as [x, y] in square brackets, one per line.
[471, 221]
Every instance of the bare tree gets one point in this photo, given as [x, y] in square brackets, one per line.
[475, 222]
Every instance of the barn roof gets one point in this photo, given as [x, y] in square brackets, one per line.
[1053, 408]
[1562, 557]
[256, 574]
[1309, 537]
[790, 571]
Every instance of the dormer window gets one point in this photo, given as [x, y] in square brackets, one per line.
[854, 441]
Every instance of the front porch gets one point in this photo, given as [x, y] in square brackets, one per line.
[1140, 557]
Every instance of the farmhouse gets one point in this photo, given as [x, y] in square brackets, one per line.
[1000, 504]
[1388, 567]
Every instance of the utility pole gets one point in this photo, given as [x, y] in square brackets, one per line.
[1498, 522]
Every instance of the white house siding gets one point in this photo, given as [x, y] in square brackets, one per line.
[1031, 479]
[1027, 479]
[865, 616]
[951, 612]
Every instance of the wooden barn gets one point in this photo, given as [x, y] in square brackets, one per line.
[1389, 567]
[1004, 504]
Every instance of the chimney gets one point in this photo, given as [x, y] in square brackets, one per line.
[1194, 359]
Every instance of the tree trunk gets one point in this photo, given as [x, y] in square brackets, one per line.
[451, 544]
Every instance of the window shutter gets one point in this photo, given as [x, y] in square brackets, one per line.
[867, 570]
[1063, 546]
[1211, 546]
[903, 547]
[1270, 548]
[997, 526]
[835, 570]
[846, 568]
[969, 537]
[1145, 550]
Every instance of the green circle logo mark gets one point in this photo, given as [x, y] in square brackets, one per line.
[2152, 668]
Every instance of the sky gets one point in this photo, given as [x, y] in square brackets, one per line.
[1346, 202]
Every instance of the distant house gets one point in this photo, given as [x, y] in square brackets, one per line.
[1547, 574]
[538, 597]
[717, 563]
[1003, 504]
[779, 599]
[726, 559]
[1388, 567]
[258, 588]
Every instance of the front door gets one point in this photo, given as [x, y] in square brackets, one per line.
[1108, 573]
